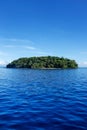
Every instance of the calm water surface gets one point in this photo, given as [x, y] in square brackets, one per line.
[43, 99]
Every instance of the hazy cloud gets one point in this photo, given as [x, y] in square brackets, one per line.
[84, 52]
[29, 47]
[9, 46]
[16, 40]
[43, 53]
[83, 64]
[3, 62]
[20, 46]
[3, 53]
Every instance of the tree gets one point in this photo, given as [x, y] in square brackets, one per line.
[43, 62]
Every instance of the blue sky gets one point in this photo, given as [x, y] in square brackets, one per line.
[43, 27]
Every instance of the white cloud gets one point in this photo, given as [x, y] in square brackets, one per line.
[2, 63]
[83, 64]
[29, 47]
[19, 46]
[16, 40]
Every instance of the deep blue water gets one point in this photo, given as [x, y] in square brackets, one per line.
[43, 99]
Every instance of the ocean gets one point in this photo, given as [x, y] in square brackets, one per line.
[36, 99]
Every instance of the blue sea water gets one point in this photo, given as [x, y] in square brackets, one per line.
[43, 99]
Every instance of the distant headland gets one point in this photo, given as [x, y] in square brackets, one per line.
[43, 62]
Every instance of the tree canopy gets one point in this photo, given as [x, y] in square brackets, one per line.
[43, 62]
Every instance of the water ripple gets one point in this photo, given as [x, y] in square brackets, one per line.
[43, 99]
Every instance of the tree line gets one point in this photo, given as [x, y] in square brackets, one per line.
[43, 62]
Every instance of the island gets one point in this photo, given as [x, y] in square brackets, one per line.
[43, 62]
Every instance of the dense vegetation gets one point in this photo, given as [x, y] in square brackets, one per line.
[43, 62]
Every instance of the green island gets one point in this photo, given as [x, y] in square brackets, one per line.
[43, 62]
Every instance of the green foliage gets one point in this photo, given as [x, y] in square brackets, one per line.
[43, 62]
